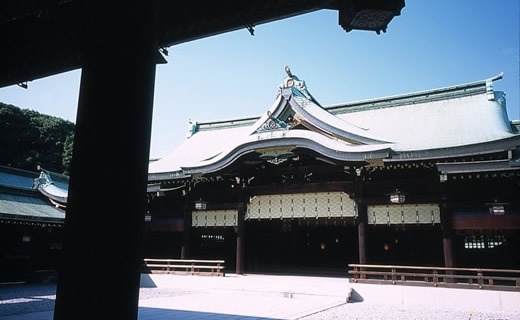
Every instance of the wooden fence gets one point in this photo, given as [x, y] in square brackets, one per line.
[178, 266]
[494, 279]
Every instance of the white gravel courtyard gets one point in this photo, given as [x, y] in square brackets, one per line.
[245, 298]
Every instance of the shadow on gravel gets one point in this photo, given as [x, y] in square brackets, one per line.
[146, 313]
[26, 298]
[24, 290]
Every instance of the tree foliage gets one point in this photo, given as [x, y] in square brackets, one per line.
[28, 139]
[67, 153]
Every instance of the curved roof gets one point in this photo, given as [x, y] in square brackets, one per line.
[53, 185]
[452, 121]
[20, 201]
[17, 178]
[26, 206]
[288, 139]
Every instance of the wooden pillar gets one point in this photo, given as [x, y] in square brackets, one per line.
[362, 219]
[447, 231]
[240, 238]
[186, 232]
[446, 225]
[100, 272]
[447, 234]
[362, 230]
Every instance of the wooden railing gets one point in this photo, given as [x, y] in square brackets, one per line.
[495, 279]
[181, 266]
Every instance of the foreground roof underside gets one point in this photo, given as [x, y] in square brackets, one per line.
[49, 37]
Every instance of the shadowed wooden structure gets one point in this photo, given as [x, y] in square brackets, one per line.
[117, 46]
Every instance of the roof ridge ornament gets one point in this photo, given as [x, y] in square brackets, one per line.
[50, 188]
[292, 81]
[272, 123]
[489, 86]
[192, 128]
[288, 71]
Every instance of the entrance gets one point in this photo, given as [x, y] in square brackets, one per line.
[417, 245]
[301, 246]
[215, 243]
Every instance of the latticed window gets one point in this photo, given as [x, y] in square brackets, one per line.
[474, 242]
[213, 237]
[481, 241]
[495, 240]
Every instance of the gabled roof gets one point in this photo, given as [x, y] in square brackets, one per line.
[27, 195]
[447, 122]
[23, 205]
[22, 199]
[17, 178]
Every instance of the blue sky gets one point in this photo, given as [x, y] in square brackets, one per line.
[432, 44]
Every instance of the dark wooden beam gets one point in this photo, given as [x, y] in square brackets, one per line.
[49, 37]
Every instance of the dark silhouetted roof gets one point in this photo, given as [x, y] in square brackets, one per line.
[42, 38]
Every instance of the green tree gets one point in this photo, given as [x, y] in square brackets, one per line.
[67, 153]
[28, 139]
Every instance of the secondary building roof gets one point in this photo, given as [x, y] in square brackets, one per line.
[23, 205]
[31, 196]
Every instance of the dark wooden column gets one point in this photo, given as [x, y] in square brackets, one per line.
[240, 237]
[100, 274]
[362, 219]
[447, 228]
[447, 231]
[186, 232]
[362, 230]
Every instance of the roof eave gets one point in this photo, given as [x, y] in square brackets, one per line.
[476, 166]
[488, 147]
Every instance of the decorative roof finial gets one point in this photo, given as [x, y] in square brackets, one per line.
[192, 128]
[288, 71]
[292, 81]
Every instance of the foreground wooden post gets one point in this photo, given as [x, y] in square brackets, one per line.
[100, 274]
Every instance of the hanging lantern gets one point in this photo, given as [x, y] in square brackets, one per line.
[397, 197]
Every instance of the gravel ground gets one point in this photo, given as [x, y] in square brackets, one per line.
[150, 293]
[375, 312]
[27, 298]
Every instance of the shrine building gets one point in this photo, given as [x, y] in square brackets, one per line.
[428, 178]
